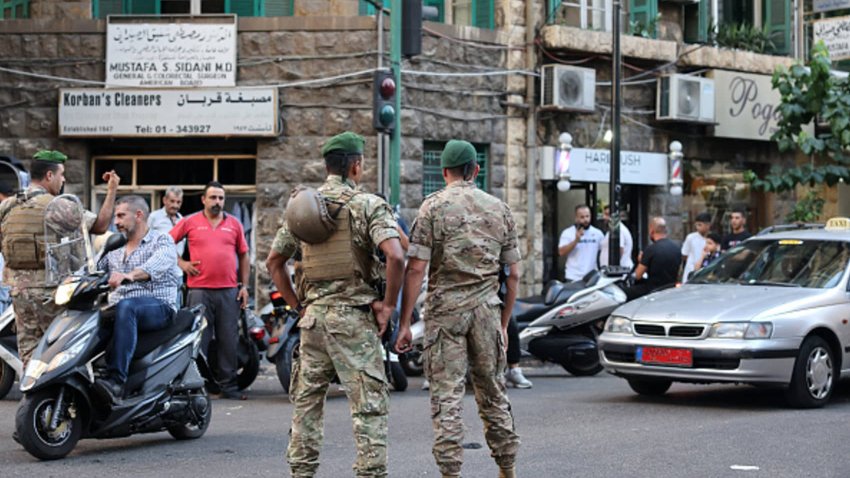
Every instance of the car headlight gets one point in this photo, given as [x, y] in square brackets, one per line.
[741, 330]
[65, 291]
[618, 325]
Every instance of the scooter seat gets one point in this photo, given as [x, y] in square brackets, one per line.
[148, 341]
[527, 309]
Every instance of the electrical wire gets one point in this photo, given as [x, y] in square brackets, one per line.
[459, 118]
[476, 73]
[470, 42]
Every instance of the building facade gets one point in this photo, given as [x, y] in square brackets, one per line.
[301, 71]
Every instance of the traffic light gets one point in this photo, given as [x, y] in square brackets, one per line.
[384, 91]
[412, 14]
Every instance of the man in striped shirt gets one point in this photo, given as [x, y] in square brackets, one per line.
[144, 289]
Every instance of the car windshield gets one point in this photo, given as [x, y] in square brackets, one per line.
[780, 262]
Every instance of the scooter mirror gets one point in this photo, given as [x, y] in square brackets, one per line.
[114, 241]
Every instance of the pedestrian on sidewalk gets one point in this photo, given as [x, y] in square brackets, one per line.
[695, 243]
[163, 220]
[216, 240]
[465, 234]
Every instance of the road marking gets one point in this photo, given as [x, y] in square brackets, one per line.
[744, 468]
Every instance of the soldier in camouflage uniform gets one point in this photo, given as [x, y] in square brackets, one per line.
[465, 234]
[22, 232]
[343, 318]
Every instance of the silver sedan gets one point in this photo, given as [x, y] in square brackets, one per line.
[772, 311]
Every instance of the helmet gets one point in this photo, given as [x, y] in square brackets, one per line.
[307, 216]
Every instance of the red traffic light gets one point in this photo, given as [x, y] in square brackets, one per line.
[387, 88]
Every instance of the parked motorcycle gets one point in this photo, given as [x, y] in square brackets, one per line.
[563, 324]
[251, 337]
[10, 362]
[285, 340]
[164, 389]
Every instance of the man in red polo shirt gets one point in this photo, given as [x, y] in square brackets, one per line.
[215, 241]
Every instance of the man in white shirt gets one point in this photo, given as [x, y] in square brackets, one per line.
[695, 243]
[164, 219]
[626, 246]
[580, 244]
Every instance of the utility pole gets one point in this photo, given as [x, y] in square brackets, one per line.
[395, 138]
[614, 160]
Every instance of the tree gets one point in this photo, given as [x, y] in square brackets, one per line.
[809, 95]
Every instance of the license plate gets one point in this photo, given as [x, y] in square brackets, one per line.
[665, 356]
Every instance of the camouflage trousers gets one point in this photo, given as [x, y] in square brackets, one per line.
[34, 311]
[471, 340]
[340, 341]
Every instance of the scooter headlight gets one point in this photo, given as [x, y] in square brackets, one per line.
[618, 325]
[65, 291]
[68, 354]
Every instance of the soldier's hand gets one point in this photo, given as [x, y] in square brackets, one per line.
[112, 179]
[404, 342]
[188, 267]
[382, 316]
[504, 339]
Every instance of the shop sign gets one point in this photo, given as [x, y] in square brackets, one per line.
[835, 34]
[592, 166]
[746, 106]
[89, 112]
[828, 5]
[169, 55]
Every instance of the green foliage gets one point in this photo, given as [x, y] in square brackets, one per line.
[810, 95]
[741, 37]
[807, 209]
[647, 30]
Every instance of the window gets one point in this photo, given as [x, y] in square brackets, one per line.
[245, 8]
[432, 173]
[643, 15]
[13, 9]
[697, 21]
[584, 14]
[777, 22]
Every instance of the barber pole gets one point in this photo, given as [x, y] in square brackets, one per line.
[676, 168]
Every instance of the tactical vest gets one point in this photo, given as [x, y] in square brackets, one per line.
[23, 233]
[338, 257]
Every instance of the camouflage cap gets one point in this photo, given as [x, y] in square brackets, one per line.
[347, 142]
[457, 153]
[50, 156]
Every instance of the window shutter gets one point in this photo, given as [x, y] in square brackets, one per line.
[143, 6]
[697, 19]
[552, 10]
[102, 8]
[242, 8]
[366, 8]
[483, 13]
[643, 11]
[704, 20]
[441, 9]
[777, 20]
[278, 8]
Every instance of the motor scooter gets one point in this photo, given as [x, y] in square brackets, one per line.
[164, 390]
[10, 362]
[251, 338]
[563, 324]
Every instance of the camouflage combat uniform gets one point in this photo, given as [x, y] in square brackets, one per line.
[339, 336]
[465, 233]
[32, 301]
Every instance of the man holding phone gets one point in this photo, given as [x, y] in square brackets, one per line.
[580, 243]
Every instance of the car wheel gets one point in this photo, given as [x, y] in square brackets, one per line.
[650, 386]
[814, 375]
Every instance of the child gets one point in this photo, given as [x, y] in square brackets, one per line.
[710, 252]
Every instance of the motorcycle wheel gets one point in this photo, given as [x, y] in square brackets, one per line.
[583, 370]
[248, 364]
[397, 377]
[190, 431]
[32, 421]
[413, 363]
[284, 360]
[7, 379]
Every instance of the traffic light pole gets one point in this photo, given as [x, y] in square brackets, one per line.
[395, 138]
[614, 158]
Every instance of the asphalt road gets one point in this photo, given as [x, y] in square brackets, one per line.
[570, 427]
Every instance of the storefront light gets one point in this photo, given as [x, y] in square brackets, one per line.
[563, 161]
[676, 156]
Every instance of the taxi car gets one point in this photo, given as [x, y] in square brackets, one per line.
[771, 311]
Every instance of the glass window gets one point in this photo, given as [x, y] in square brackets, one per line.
[643, 16]
[777, 21]
[718, 187]
[462, 12]
[124, 168]
[170, 171]
[245, 8]
[697, 21]
[815, 264]
[238, 171]
[14, 9]
[432, 173]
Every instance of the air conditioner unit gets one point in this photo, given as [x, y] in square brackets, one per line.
[685, 98]
[568, 88]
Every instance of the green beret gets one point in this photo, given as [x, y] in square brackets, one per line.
[457, 153]
[50, 156]
[348, 142]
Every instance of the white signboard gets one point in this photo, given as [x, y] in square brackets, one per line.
[835, 34]
[89, 112]
[828, 5]
[168, 55]
[746, 106]
[592, 165]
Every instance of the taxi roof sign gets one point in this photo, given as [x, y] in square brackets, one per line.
[838, 224]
